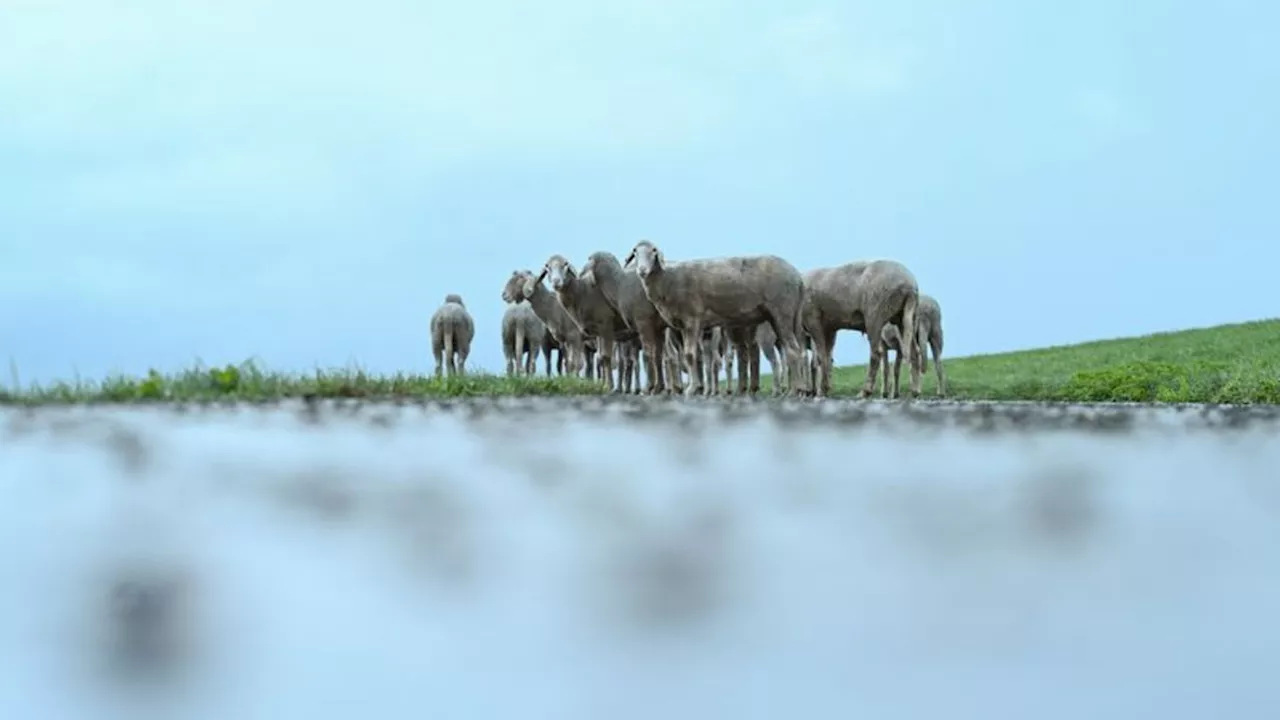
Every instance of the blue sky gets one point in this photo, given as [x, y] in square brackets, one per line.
[303, 182]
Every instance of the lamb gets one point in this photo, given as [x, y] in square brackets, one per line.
[928, 337]
[452, 330]
[524, 284]
[587, 305]
[624, 291]
[857, 296]
[734, 292]
[523, 332]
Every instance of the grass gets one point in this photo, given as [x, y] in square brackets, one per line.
[251, 382]
[1238, 364]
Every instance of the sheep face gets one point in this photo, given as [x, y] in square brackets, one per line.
[647, 258]
[559, 271]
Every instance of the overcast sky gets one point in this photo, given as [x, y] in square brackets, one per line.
[303, 182]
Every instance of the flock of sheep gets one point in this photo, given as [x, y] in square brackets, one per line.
[698, 317]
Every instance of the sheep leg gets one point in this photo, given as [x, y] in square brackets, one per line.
[935, 344]
[823, 350]
[909, 339]
[450, 366]
[462, 360]
[897, 371]
[728, 369]
[604, 362]
[652, 366]
[439, 356]
[873, 365]
[788, 334]
[753, 359]
[519, 354]
[692, 344]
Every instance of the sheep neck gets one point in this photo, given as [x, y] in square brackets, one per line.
[541, 302]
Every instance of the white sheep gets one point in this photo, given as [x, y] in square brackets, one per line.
[523, 337]
[734, 292]
[452, 330]
[524, 284]
[587, 305]
[623, 290]
[928, 337]
[858, 296]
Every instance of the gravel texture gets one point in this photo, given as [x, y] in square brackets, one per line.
[639, 558]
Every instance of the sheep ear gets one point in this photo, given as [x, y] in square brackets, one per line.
[631, 257]
[662, 260]
[542, 276]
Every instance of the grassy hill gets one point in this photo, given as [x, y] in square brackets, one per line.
[1237, 363]
[1225, 364]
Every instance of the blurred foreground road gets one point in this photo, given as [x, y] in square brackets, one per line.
[631, 559]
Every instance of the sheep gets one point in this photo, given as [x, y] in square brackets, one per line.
[860, 296]
[734, 292]
[452, 330]
[588, 307]
[928, 337]
[523, 332]
[624, 292]
[524, 284]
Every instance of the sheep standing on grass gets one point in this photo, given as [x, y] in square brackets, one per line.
[587, 305]
[861, 296]
[735, 292]
[452, 330]
[524, 284]
[623, 290]
[928, 337]
[523, 337]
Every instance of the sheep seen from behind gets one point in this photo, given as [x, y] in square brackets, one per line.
[452, 331]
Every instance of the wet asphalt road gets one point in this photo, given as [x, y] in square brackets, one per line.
[633, 558]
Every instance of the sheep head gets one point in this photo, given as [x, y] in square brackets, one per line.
[453, 298]
[513, 291]
[559, 271]
[598, 259]
[530, 284]
[647, 259]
